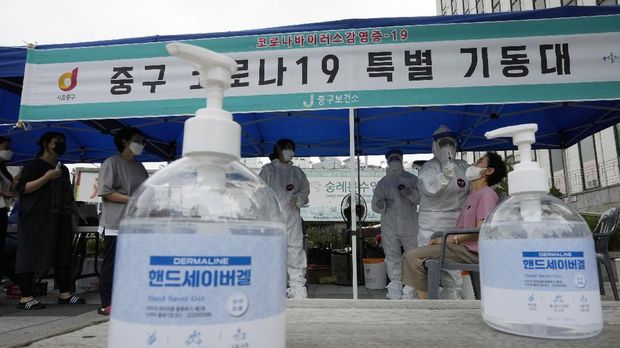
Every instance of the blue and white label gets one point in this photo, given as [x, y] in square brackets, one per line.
[208, 286]
[543, 281]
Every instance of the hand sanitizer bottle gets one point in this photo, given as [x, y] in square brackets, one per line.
[537, 258]
[201, 252]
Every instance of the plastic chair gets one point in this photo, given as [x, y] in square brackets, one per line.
[435, 266]
[606, 227]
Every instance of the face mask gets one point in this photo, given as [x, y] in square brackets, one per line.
[60, 148]
[6, 155]
[136, 148]
[473, 173]
[395, 166]
[288, 155]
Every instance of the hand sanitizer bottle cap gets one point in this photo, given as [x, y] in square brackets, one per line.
[212, 130]
[527, 176]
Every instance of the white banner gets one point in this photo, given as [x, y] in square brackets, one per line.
[391, 66]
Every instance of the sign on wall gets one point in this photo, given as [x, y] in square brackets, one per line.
[328, 187]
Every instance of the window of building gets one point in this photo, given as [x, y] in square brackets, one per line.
[557, 169]
[479, 6]
[496, 6]
[539, 4]
[569, 2]
[606, 2]
[515, 5]
[587, 154]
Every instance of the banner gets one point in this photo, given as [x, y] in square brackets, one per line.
[540, 60]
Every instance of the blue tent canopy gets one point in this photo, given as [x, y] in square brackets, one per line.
[322, 132]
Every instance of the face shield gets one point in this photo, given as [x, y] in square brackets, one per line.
[444, 149]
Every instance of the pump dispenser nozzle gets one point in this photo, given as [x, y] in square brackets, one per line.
[213, 129]
[527, 176]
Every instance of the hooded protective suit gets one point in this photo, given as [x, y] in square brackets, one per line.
[291, 187]
[443, 188]
[395, 198]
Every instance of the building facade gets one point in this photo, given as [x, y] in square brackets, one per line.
[588, 173]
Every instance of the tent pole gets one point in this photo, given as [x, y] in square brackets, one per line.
[353, 200]
[566, 177]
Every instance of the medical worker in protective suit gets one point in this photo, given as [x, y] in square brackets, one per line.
[291, 187]
[395, 198]
[443, 187]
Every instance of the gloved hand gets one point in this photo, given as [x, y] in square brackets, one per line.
[293, 202]
[448, 171]
[406, 191]
[380, 205]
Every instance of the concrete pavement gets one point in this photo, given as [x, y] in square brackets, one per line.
[382, 323]
[329, 319]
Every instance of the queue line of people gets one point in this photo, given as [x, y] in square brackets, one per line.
[442, 184]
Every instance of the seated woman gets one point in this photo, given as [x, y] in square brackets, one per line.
[488, 171]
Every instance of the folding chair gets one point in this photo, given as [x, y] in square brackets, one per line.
[435, 266]
[606, 227]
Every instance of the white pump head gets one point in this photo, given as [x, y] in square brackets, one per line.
[527, 176]
[213, 129]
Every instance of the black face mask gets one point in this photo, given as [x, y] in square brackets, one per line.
[60, 148]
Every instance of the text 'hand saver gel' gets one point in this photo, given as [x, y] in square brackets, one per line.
[201, 252]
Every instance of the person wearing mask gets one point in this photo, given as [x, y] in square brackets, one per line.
[7, 192]
[443, 188]
[488, 171]
[119, 177]
[44, 228]
[395, 198]
[291, 187]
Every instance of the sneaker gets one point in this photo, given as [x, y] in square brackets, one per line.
[297, 293]
[394, 291]
[72, 300]
[408, 293]
[105, 310]
[449, 294]
[30, 305]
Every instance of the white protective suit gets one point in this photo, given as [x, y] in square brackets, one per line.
[291, 187]
[441, 201]
[395, 198]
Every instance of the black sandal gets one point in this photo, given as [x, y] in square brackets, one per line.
[72, 300]
[30, 305]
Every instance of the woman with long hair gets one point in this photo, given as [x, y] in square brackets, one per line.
[44, 228]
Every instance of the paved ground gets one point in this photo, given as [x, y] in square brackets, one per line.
[327, 320]
[382, 323]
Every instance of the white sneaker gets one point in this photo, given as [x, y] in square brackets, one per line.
[450, 294]
[297, 293]
[394, 291]
[408, 293]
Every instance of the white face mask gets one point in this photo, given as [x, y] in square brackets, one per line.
[395, 166]
[288, 155]
[6, 155]
[473, 173]
[136, 148]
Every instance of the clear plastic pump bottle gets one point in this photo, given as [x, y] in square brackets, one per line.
[201, 252]
[537, 258]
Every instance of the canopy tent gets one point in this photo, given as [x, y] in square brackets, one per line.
[402, 78]
[565, 112]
